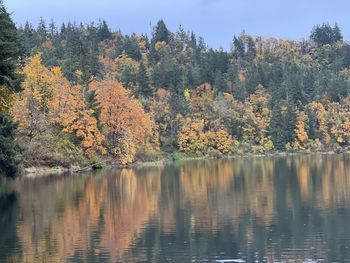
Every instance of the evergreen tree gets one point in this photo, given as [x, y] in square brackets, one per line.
[193, 41]
[93, 104]
[219, 82]
[10, 50]
[326, 34]
[282, 125]
[29, 38]
[161, 33]
[177, 99]
[127, 77]
[244, 49]
[312, 125]
[103, 31]
[144, 88]
[53, 33]
[290, 122]
[276, 130]
[10, 152]
[131, 48]
[42, 30]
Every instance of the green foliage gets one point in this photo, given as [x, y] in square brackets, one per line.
[103, 32]
[161, 33]
[244, 49]
[10, 151]
[283, 122]
[92, 103]
[10, 50]
[326, 34]
[145, 88]
[10, 80]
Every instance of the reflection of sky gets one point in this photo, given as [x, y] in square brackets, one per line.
[216, 20]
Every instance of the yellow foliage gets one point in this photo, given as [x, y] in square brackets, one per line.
[160, 45]
[256, 116]
[300, 131]
[121, 63]
[202, 100]
[321, 115]
[220, 140]
[193, 138]
[241, 75]
[48, 99]
[339, 119]
[187, 94]
[6, 99]
[38, 84]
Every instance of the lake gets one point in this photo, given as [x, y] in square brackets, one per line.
[281, 209]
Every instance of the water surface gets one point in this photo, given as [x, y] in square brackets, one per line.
[286, 209]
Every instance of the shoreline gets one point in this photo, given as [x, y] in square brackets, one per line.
[32, 172]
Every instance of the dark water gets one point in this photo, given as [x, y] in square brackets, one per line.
[294, 209]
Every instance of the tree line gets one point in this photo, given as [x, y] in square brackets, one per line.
[78, 93]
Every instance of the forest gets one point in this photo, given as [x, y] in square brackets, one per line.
[76, 94]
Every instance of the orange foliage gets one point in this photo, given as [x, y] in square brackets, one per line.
[122, 116]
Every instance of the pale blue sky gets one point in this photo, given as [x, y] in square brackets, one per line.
[216, 20]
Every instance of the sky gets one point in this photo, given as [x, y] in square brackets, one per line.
[215, 20]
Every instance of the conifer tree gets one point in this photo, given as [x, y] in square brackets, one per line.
[326, 34]
[144, 88]
[10, 81]
[161, 33]
[103, 31]
[10, 151]
[10, 50]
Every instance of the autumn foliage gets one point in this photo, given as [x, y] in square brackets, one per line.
[94, 93]
[193, 138]
[49, 100]
[125, 123]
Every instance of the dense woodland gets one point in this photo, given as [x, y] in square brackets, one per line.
[75, 94]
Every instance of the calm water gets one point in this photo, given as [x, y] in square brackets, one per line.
[291, 209]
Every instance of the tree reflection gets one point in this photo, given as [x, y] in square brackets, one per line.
[280, 208]
[9, 242]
